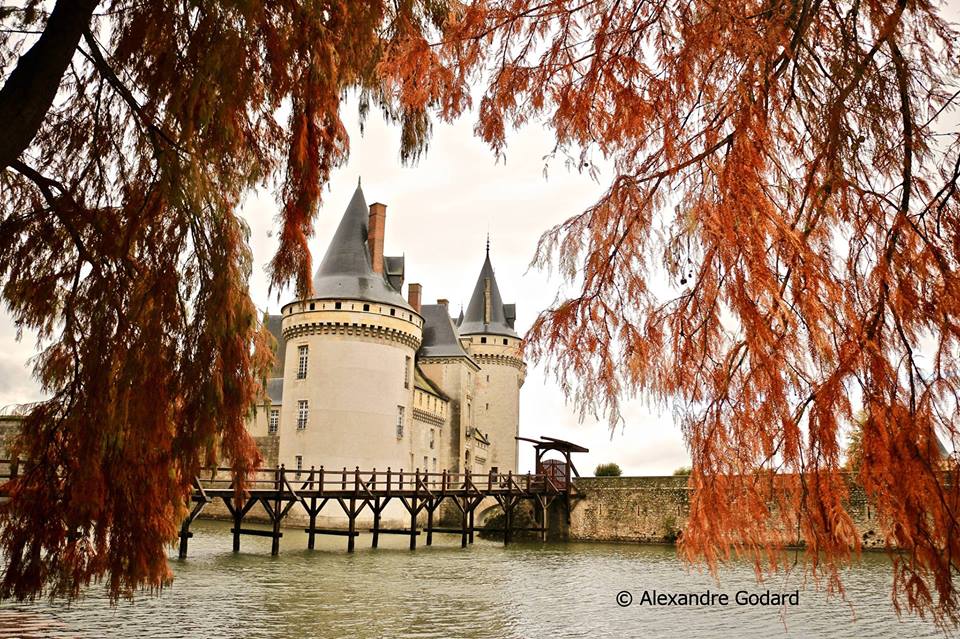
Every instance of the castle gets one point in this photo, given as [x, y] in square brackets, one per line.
[364, 377]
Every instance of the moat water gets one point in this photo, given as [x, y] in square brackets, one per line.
[524, 590]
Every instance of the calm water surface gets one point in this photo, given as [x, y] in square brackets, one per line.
[525, 591]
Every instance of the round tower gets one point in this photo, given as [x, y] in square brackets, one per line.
[487, 332]
[349, 355]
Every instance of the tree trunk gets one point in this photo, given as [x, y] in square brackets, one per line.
[30, 89]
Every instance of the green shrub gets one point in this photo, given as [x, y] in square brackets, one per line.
[683, 470]
[671, 532]
[608, 470]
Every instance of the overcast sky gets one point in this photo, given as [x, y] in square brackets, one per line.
[438, 215]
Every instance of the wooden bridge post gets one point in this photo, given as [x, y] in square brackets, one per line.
[237, 522]
[413, 510]
[472, 526]
[430, 508]
[508, 510]
[463, 520]
[467, 535]
[376, 522]
[542, 517]
[351, 538]
[311, 539]
[184, 535]
[280, 477]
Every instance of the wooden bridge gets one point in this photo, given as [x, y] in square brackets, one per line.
[279, 490]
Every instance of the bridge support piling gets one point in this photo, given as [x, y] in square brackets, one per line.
[413, 513]
[430, 508]
[237, 521]
[312, 511]
[376, 522]
[311, 538]
[463, 521]
[351, 538]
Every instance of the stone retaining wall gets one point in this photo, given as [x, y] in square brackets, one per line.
[655, 510]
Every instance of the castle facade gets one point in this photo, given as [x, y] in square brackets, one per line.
[365, 377]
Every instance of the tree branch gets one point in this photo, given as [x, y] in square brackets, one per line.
[30, 89]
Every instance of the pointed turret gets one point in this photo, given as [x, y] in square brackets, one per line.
[486, 312]
[347, 270]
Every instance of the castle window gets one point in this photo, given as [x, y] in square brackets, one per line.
[488, 405]
[406, 372]
[483, 340]
[273, 425]
[299, 465]
[399, 422]
[426, 467]
[434, 464]
[432, 438]
[302, 352]
[337, 305]
[504, 342]
[488, 378]
[312, 306]
[393, 311]
[302, 412]
[366, 307]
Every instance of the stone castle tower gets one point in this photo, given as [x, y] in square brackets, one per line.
[349, 352]
[488, 334]
[367, 378]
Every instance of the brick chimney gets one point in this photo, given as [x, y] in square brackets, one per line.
[414, 292]
[442, 302]
[375, 226]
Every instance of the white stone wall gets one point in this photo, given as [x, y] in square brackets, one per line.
[431, 428]
[455, 376]
[357, 377]
[497, 396]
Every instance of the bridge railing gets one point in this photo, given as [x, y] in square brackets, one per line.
[382, 482]
[344, 480]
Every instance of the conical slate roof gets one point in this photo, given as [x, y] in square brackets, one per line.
[473, 320]
[346, 270]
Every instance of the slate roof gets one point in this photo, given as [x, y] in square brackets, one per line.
[500, 323]
[440, 336]
[275, 390]
[346, 270]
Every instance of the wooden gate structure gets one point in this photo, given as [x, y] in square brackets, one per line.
[559, 474]
[278, 490]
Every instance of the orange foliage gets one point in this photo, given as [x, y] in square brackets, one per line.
[778, 249]
[120, 246]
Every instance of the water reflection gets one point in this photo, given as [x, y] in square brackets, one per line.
[444, 591]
